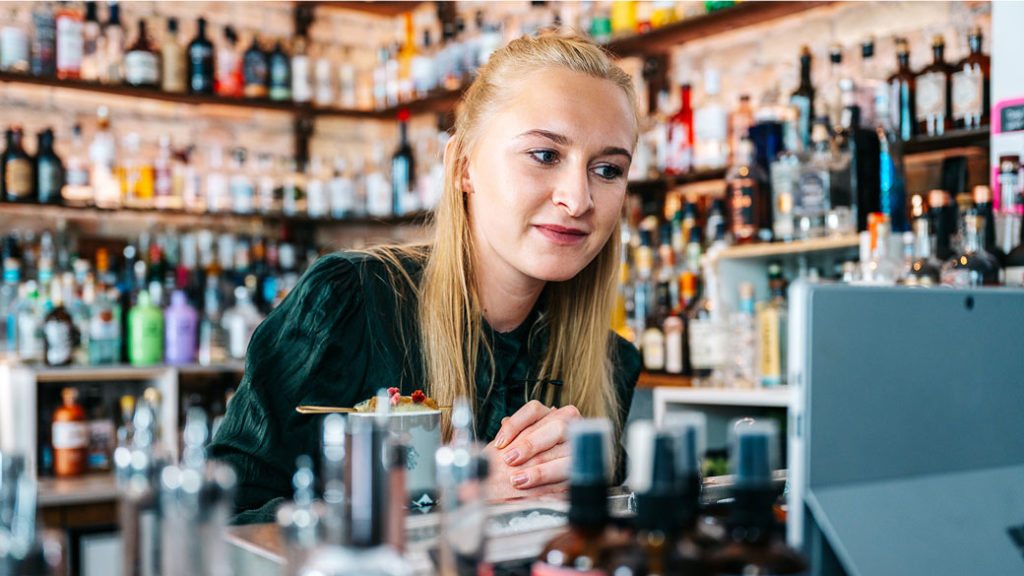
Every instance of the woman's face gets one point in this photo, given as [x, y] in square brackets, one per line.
[547, 177]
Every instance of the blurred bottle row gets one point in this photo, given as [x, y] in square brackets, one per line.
[175, 298]
[135, 174]
[671, 305]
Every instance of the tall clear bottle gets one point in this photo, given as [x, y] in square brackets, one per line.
[711, 127]
[902, 106]
[69, 43]
[933, 93]
[970, 86]
[925, 269]
[92, 53]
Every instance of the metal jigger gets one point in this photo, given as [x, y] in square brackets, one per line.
[462, 476]
[197, 499]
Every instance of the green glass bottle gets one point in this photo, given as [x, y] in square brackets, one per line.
[145, 332]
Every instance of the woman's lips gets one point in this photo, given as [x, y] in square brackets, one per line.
[562, 235]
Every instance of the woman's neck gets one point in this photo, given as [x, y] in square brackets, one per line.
[506, 302]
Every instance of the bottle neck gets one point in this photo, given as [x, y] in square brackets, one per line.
[903, 59]
[974, 42]
[937, 52]
[805, 72]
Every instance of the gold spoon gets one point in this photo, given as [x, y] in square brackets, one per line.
[333, 409]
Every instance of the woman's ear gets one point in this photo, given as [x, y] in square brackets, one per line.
[450, 157]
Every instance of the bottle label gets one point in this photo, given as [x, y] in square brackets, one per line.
[69, 45]
[706, 344]
[811, 195]
[141, 67]
[771, 363]
[931, 95]
[70, 435]
[741, 200]
[242, 195]
[302, 87]
[13, 49]
[545, 569]
[77, 175]
[653, 348]
[968, 94]
[19, 178]
[49, 181]
[59, 342]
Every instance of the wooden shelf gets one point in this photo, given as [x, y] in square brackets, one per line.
[661, 40]
[757, 397]
[952, 139]
[659, 380]
[389, 9]
[88, 489]
[438, 102]
[181, 218]
[770, 249]
[123, 372]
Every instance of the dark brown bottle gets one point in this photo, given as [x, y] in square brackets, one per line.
[901, 94]
[16, 167]
[803, 99]
[142, 61]
[754, 544]
[60, 337]
[49, 170]
[933, 89]
[970, 92]
[578, 549]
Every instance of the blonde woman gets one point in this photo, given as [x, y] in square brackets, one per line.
[515, 290]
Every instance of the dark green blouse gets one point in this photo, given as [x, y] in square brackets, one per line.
[342, 333]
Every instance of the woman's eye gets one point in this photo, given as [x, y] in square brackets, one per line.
[608, 171]
[544, 156]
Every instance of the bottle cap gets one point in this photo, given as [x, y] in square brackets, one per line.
[754, 451]
[69, 395]
[982, 194]
[746, 291]
[938, 40]
[835, 53]
[591, 452]
[938, 198]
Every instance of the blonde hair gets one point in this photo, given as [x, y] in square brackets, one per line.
[578, 312]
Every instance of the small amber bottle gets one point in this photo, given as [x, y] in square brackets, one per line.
[70, 436]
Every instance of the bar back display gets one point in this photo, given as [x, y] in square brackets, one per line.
[906, 451]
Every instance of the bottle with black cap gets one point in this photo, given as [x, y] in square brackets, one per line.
[754, 544]
[654, 478]
[697, 534]
[577, 550]
[366, 549]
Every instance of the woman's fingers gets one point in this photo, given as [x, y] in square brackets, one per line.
[526, 416]
[548, 473]
[550, 431]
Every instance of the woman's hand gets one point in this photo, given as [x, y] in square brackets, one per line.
[530, 454]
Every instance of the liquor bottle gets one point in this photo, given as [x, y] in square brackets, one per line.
[870, 83]
[172, 60]
[743, 341]
[29, 324]
[181, 330]
[163, 177]
[70, 436]
[323, 79]
[293, 190]
[280, 74]
[652, 345]
[267, 200]
[17, 168]
[316, 191]
[142, 61]
[754, 545]
[212, 334]
[229, 70]
[136, 174]
[243, 193]
[577, 550]
[255, 71]
[200, 62]
[241, 321]
[933, 91]
[59, 333]
[891, 179]
[92, 55]
[772, 324]
[105, 329]
[391, 68]
[403, 170]
[655, 481]
[301, 76]
[983, 205]
[973, 265]
[77, 189]
[145, 332]
[970, 86]
[811, 203]
[679, 156]
[1013, 271]
[925, 270]
[424, 71]
[139, 465]
[69, 43]
[44, 41]
[785, 180]
[902, 106]
[380, 80]
[711, 127]
[830, 98]
[705, 333]
[349, 82]
[740, 121]
[49, 170]
[113, 57]
[747, 193]
[14, 43]
[803, 99]
[879, 268]
[9, 302]
[103, 154]
[217, 194]
[339, 191]
[942, 215]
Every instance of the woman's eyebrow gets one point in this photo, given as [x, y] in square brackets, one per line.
[563, 140]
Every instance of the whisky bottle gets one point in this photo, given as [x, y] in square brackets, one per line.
[970, 86]
[902, 107]
[772, 326]
[172, 60]
[933, 89]
[747, 192]
[70, 436]
[803, 99]
[60, 336]
[754, 545]
[142, 61]
[16, 167]
[577, 550]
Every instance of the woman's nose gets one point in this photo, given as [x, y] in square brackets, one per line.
[572, 190]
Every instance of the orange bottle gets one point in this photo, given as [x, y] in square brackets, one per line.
[70, 436]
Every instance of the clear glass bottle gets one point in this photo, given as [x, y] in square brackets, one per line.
[163, 177]
[323, 77]
[105, 329]
[172, 60]
[14, 42]
[973, 265]
[879, 269]
[113, 37]
[293, 196]
[69, 42]
[77, 191]
[340, 192]
[925, 270]
[316, 190]
[241, 321]
[970, 86]
[218, 195]
[242, 191]
[92, 52]
[30, 325]
[706, 332]
[811, 203]
[830, 104]
[9, 302]
[267, 201]
[711, 127]
[743, 341]
[301, 72]
[933, 93]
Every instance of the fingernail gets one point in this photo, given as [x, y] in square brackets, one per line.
[499, 442]
[510, 456]
[520, 479]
